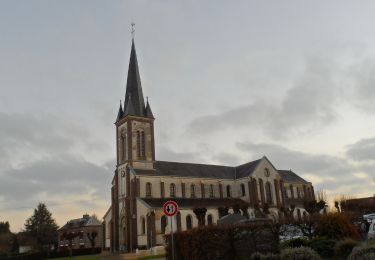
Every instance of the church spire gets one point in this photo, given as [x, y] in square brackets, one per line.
[120, 113]
[134, 87]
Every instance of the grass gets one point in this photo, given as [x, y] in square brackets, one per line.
[151, 257]
[82, 257]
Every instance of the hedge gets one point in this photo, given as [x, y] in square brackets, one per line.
[224, 242]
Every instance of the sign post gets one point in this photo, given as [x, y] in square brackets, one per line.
[170, 209]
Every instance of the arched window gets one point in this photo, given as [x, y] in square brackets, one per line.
[189, 222]
[143, 145]
[268, 193]
[148, 189]
[163, 224]
[228, 191]
[211, 191]
[172, 190]
[243, 191]
[192, 191]
[123, 147]
[139, 144]
[143, 225]
[209, 219]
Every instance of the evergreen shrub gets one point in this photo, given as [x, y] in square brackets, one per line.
[299, 253]
[363, 253]
[343, 248]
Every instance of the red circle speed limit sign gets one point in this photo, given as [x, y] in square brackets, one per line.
[170, 208]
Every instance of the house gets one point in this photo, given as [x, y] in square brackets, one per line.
[204, 193]
[80, 232]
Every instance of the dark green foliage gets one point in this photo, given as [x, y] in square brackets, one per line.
[343, 248]
[8, 240]
[4, 227]
[300, 253]
[363, 253]
[323, 246]
[336, 226]
[296, 242]
[42, 226]
[224, 242]
[260, 256]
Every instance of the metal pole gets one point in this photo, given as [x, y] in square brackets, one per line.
[172, 237]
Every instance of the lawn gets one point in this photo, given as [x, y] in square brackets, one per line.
[152, 257]
[82, 257]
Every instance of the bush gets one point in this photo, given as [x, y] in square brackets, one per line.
[344, 247]
[363, 253]
[296, 242]
[323, 246]
[224, 242]
[300, 253]
[260, 256]
[336, 226]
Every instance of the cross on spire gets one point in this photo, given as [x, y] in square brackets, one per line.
[133, 29]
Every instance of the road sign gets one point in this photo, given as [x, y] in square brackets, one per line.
[170, 208]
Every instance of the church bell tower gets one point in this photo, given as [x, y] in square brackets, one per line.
[135, 123]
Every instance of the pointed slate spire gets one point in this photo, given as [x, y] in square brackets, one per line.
[148, 110]
[120, 113]
[134, 87]
[129, 109]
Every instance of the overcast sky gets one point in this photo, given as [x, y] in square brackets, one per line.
[228, 82]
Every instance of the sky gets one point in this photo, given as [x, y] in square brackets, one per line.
[228, 82]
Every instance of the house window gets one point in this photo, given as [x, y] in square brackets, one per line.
[228, 191]
[211, 191]
[189, 223]
[209, 219]
[143, 225]
[243, 191]
[163, 224]
[298, 193]
[268, 193]
[172, 190]
[291, 191]
[192, 191]
[148, 189]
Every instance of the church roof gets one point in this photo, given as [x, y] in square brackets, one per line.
[148, 110]
[163, 168]
[290, 176]
[197, 202]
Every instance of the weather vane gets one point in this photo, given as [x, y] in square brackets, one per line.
[133, 30]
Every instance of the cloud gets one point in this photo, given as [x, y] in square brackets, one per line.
[43, 159]
[307, 106]
[335, 175]
[363, 150]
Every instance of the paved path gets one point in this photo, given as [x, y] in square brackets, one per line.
[129, 256]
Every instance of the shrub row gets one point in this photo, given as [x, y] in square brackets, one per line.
[224, 242]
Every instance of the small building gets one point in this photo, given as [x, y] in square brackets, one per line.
[78, 232]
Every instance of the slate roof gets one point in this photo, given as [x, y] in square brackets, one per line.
[290, 176]
[246, 169]
[163, 168]
[197, 202]
[85, 221]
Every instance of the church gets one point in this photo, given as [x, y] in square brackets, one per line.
[142, 184]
